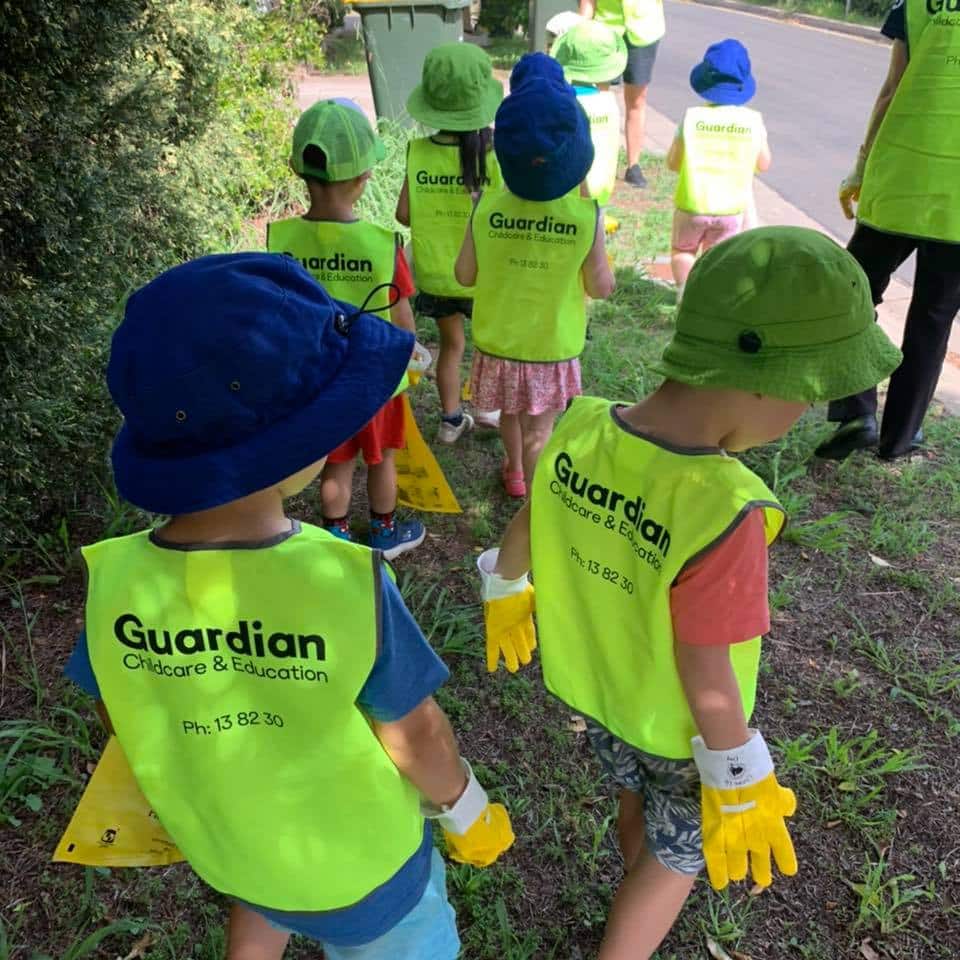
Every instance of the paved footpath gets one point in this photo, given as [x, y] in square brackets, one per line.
[815, 89]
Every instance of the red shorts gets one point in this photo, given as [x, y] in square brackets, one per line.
[384, 432]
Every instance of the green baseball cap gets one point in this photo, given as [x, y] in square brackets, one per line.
[590, 52]
[780, 311]
[457, 91]
[342, 131]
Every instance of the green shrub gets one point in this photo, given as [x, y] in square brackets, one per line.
[501, 18]
[140, 133]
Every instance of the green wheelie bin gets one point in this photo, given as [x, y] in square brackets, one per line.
[397, 37]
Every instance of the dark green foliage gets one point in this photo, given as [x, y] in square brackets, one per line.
[500, 18]
[138, 133]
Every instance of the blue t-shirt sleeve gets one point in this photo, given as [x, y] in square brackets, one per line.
[407, 671]
[895, 26]
[79, 668]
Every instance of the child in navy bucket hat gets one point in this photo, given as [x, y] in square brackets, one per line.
[532, 250]
[261, 671]
[717, 149]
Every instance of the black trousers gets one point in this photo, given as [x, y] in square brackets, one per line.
[933, 307]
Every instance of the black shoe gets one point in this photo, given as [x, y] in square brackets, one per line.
[634, 176]
[915, 444]
[859, 434]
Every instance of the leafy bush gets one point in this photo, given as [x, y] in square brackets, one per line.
[501, 18]
[145, 131]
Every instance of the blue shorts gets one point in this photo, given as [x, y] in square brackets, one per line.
[427, 932]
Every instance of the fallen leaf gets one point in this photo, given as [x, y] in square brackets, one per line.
[138, 950]
[867, 951]
[756, 890]
[831, 905]
[813, 663]
[879, 561]
[737, 955]
[577, 724]
[833, 824]
[846, 786]
[716, 951]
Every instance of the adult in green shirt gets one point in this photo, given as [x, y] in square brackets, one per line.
[641, 24]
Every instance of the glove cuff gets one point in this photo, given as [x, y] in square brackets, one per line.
[460, 817]
[732, 769]
[492, 585]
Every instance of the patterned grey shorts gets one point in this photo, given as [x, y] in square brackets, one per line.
[670, 790]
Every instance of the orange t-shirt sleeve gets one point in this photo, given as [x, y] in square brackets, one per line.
[402, 276]
[721, 598]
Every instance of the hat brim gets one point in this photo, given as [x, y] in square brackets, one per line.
[607, 71]
[723, 94]
[457, 121]
[372, 368]
[813, 374]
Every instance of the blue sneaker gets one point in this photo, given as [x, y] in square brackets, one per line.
[396, 538]
[341, 531]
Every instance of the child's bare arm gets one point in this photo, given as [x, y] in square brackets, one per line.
[598, 278]
[424, 749]
[514, 558]
[401, 313]
[466, 268]
[675, 155]
[403, 205]
[713, 694]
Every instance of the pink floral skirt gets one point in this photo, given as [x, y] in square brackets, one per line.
[513, 386]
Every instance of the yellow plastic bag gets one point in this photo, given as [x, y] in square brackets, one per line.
[420, 481]
[113, 825]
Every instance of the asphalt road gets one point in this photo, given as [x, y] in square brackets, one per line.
[814, 88]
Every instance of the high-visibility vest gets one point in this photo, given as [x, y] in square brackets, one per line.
[603, 113]
[529, 301]
[615, 519]
[440, 209]
[720, 148]
[911, 183]
[231, 677]
[640, 21]
[349, 259]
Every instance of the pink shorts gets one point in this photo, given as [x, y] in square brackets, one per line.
[513, 386]
[695, 231]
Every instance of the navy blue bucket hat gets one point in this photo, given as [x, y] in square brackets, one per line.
[532, 66]
[723, 76]
[235, 371]
[542, 136]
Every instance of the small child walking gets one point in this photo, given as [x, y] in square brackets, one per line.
[531, 252]
[458, 97]
[648, 543]
[593, 56]
[270, 690]
[717, 149]
[334, 151]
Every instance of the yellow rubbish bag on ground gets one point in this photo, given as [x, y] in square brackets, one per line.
[113, 825]
[420, 481]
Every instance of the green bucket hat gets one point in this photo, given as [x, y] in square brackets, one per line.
[458, 90]
[342, 131]
[780, 311]
[590, 52]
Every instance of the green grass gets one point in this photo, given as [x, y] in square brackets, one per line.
[831, 9]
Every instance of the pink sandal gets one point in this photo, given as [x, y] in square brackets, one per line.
[513, 482]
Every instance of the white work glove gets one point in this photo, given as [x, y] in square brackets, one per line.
[420, 361]
[508, 607]
[743, 810]
[849, 192]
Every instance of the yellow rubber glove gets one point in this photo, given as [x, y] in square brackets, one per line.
[849, 192]
[475, 830]
[743, 810]
[508, 607]
[610, 224]
[481, 845]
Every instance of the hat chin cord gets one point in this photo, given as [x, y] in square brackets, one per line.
[343, 322]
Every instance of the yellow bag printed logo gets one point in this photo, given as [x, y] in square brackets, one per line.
[113, 825]
[420, 481]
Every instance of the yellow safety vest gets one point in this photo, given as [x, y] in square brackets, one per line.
[529, 301]
[231, 677]
[615, 520]
[603, 112]
[911, 183]
[440, 209]
[349, 259]
[641, 21]
[720, 148]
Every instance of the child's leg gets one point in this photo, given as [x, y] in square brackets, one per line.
[382, 485]
[535, 430]
[452, 345]
[630, 828]
[512, 441]
[250, 936]
[644, 909]
[336, 489]
[684, 244]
